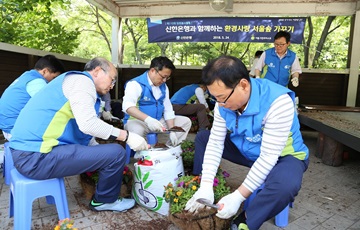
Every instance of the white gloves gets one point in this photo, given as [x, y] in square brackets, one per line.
[106, 115]
[231, 204]
[153, 124]
[205, 191]
[173, 139]
[136, 142]
[295, 81]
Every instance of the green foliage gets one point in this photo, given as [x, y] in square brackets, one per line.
[78, 28]
[186, 186]
[32, 24]
[188, 149]
[94, 28]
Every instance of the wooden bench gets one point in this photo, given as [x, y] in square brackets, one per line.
[337, 126]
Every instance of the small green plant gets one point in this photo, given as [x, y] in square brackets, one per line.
[188, 151]
[65, 224]
[186, 186]
[127, 176]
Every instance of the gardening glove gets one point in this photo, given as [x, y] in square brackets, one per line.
[106, 115]
[154, 125]
[173, 139]
[136, 142]
[295, 81]
[230, 204]
[205, 191]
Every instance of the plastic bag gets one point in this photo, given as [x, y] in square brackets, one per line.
[153, 171]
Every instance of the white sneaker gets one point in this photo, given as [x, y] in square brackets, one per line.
[120, 205]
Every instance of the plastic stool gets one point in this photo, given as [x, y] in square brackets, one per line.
[281, 219]
[151, 139]
[8, 163]
[23, 191]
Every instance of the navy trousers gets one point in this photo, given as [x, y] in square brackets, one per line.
[74, 159]
[281, 185]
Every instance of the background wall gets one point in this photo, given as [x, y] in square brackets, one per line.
[316, 88]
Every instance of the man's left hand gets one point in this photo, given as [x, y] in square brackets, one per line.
[295, 81]
[230, 205]
[173, 138]
[106, 115]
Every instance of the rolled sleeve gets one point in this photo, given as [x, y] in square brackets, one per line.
[131, 95]
[168, 108]
[295, 67]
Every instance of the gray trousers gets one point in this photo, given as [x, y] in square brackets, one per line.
[194, 109]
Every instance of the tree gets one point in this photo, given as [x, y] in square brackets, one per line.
[31, 23]
[94, 26]
[135, 28]
[331, 42]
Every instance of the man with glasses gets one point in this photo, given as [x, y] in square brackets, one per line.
[279, 64]
[53, 135]
[255, 125]
[147, 104]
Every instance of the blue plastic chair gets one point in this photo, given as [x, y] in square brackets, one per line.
[23, 191]
[151, 139]
[8, 163]
[281, 219]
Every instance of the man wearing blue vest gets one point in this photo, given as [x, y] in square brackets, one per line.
[255, 125]
[24, 87]
[147, 104]
[279, 64]
[53, 135]
[190, 100]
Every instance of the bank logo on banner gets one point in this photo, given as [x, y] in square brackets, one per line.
[224, 29]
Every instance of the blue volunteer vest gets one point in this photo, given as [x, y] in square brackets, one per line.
[15, 98]
[185, 95]
[247, 129]
[47, 120]
[278, 70]
[146, 102]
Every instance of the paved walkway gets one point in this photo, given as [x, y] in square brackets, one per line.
[329, 199]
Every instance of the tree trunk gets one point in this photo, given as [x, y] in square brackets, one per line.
[308, 43]
[324, 34]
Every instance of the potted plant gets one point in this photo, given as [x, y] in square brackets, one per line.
[89, 180]
[188, 149]
[179, 194]
[65, 224]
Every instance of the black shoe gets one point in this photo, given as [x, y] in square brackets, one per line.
[239, 223]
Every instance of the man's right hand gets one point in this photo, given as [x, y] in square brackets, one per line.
[154, 125]
[136, 142]
[205, 191]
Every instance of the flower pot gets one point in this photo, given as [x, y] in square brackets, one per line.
[203, 219]
[194, 128]
[88, 186]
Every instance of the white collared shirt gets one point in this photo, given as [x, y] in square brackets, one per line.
[133, 91]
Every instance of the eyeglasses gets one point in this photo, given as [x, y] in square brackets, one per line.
[279, 45]
[232, 91]
[163, 77]
[113, 80]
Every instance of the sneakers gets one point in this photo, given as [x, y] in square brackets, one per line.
[239, 223]
[241, 226]
[120, 205]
